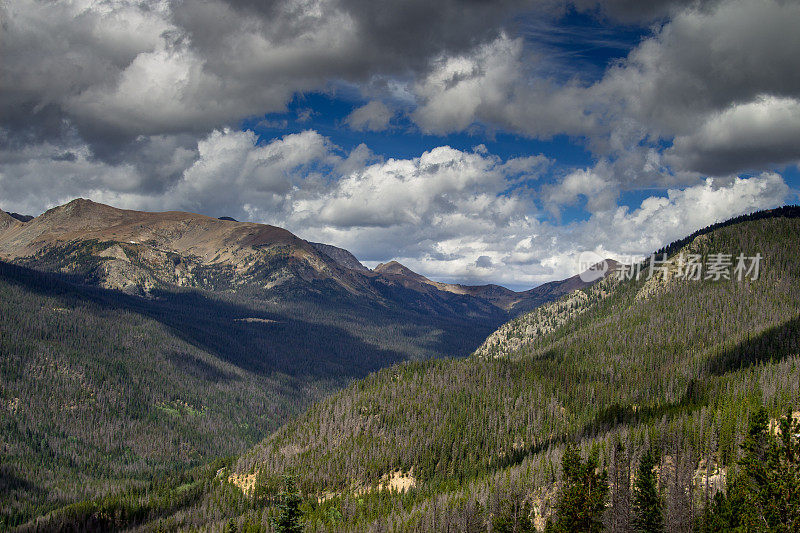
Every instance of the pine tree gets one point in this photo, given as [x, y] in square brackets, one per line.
[514, 516]
[582, 500]
[647, 507]
[290, 516]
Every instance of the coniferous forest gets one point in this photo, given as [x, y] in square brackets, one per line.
[103, 391]
[659, 404]
[400, 266]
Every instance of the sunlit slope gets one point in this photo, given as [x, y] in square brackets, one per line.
[629, 349]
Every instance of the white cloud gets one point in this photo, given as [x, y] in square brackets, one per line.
[442, 182]
[233, 170]
[493, 85]
[374, 116]
[595, 185]
[660, 220]
[449, 214]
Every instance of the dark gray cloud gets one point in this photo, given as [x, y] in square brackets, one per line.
[708, 60]
[112, 74]
[115, 72]
[484, 261]
[748, 136]
[131, 103]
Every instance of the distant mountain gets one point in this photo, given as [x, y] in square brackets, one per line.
[22, 218]
[340, 255]
[137, 252]
[506, 299]
[7, 221]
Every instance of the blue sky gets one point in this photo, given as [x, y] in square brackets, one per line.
[473, 142]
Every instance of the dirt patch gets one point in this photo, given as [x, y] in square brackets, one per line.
[775, 425]
[245, 482]
[397, 481]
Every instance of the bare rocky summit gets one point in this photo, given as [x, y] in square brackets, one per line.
[137, 252]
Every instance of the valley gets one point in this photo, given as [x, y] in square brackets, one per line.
[192, 376]
[138, 345]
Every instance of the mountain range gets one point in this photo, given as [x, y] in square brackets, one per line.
[168, 371]
[140, 345]
[137, 252]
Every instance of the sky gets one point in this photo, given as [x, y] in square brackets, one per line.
[474, 142]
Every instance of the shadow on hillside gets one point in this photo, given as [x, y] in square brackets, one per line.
[10, 481]
[272, 343]
[771, 345]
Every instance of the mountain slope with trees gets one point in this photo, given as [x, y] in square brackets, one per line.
[136, 345]
[672, 368]
[672, 364]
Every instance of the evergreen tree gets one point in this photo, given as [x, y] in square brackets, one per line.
[765, 495]
[771, 466]
[290, 516]
[647, 507]
[582, 500]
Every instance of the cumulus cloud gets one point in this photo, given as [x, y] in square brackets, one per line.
[595, 185]
[492, 85]
[750, 135]
[730, 57]
[374, 116]
[456, 215]
[233, 170]
[129, 68]
[708, 58]
[484, 261]
[136, 104]
[660, 220]
[114, 71]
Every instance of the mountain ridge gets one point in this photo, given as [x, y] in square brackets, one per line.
[617, 368]
[137, 251]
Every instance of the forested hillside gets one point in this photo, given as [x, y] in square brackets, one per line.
[676, 365]
[101, 390]
[580, 393]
